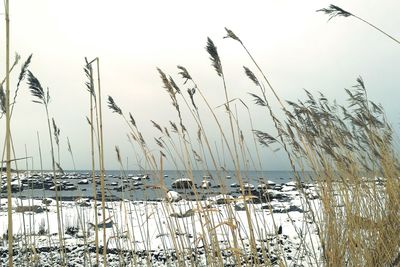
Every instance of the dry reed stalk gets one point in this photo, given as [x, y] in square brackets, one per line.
[7, 108]
[196, 115]
[44, 99]
[335, 11]
[101, 158]
[171, 88]
[92, 98]
[337, 153]
[44, 191]
[25, 243]
[8, 138]
[212, 50]
[264, 138]
[30, 200]
[188, 168]
[123, 174]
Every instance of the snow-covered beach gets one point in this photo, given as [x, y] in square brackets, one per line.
[156, 233]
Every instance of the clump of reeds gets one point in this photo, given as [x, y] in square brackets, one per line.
[94, 128]
[342, 145]
[347, 147]
[7, 108]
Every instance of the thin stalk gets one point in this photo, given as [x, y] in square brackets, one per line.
[43, 97]
[8, 138]
[378, 29]
[44, 191]
[60, 233]
[101, 155]
[30, 202]
[335, 11]
[91, 95]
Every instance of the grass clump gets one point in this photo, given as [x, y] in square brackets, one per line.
[350, 150]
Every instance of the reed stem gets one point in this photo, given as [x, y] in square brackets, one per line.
[8, 138]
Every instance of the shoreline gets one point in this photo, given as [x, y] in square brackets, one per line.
[145, 231]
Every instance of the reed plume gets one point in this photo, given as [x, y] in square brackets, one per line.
[214, 57]
[334, 11]
[70, 152]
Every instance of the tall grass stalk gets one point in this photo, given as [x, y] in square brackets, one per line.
[185, 75]
[130, 235]
[92, 95]
[185, 142]
[99, 127]
[8, 138]
[335, 11]
[44, 191]
[101, 155]
[43, 98]
[216, 61]
[7, 108]
[284, 135]
[346, 147]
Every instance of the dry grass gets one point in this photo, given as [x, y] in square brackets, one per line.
[350, 149]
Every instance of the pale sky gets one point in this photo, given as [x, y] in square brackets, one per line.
[295, 46]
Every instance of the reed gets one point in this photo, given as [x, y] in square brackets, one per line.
[42, 177]
[92, 96]
[8, 107]
[101, 158]
[350, 149]
[43, 97]
[71, 153]
[375, 151]
[334, 11]
[8, 137]
[353, 145]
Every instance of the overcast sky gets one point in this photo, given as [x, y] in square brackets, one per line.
[297, 48]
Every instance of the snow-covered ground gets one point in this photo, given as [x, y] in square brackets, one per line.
[152, 233]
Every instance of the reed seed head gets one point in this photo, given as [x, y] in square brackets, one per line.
[118, 154]
[265, 138]
[251, 76]
[56, 132]
[258, 100]
[37, 90]
[2, 100]
[113, 106]
[24, 68]
[173, 84]
[69, 145]
[335, 11]
[132, 120]
[214, 57]
[191, 92]
[184, 73]
[156, 125]
[231, 35]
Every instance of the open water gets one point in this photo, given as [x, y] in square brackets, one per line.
[146, 189]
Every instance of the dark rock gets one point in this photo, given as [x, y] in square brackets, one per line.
[295, 208]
